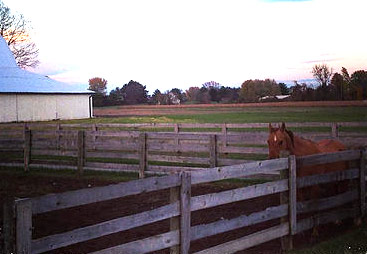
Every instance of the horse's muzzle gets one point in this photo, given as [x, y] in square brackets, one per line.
[284, 153]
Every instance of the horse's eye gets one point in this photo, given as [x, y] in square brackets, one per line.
[281, 142]
[268, 142]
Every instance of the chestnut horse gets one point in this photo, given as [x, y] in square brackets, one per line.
[283, 142]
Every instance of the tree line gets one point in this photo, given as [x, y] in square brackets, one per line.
[331, 86]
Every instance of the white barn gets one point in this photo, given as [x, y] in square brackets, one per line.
[26, 96]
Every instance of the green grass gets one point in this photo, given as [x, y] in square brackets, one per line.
[354, 242]
[101, 175]
[243, 115]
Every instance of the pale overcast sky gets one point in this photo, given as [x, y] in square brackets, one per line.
[167, 44]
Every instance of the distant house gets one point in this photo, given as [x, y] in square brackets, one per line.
[26, 96]
[174, 98]
[273, 98]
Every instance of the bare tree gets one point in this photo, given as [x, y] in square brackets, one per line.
[15, 30]
[322, 74]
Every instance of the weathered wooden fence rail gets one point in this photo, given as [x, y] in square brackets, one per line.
[182, 205]
[108, 147]
[334, 129]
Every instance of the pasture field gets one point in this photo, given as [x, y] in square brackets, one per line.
[226, 114]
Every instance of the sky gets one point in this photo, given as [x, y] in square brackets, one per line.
[165, 44]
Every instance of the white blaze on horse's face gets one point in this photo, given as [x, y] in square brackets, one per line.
[277, 142]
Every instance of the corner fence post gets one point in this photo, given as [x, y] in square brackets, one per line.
[362, 178]
[23, 241]
[143, 154]
[27, 148]
[81, 152]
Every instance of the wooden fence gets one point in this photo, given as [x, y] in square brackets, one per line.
[334, 129]
[182, 205]
[162, 148]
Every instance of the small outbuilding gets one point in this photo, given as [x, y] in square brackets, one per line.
[27, 96]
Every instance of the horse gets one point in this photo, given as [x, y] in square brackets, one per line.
[282, 142]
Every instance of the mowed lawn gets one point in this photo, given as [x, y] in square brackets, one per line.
[222, 114]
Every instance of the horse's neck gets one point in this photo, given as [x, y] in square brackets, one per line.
[304, 147]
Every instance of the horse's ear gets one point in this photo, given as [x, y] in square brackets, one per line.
[270, 128]
[282, 128]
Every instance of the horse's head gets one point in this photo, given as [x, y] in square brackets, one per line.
[280, 142]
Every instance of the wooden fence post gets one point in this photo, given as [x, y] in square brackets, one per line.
[23, 209]
[27, 148]
[9, 226]
[58, 135]
[177, 131]
[185, 208]
[286, 241]
[224, 134]
[94, 136]
[334, 130]
[175, 221]
[177, 128]
[143, 154]
[81, 152]
[183, 222]
[213, 151]
[362, 184]
[292, 196]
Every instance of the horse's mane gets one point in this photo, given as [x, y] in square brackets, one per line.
[291, 135]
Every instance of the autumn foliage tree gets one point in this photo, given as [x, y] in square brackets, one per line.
[99, 86]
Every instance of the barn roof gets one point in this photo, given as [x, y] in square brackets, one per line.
[16, 80]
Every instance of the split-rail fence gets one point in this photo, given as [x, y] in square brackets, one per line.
[352, 203]
[152, 148]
